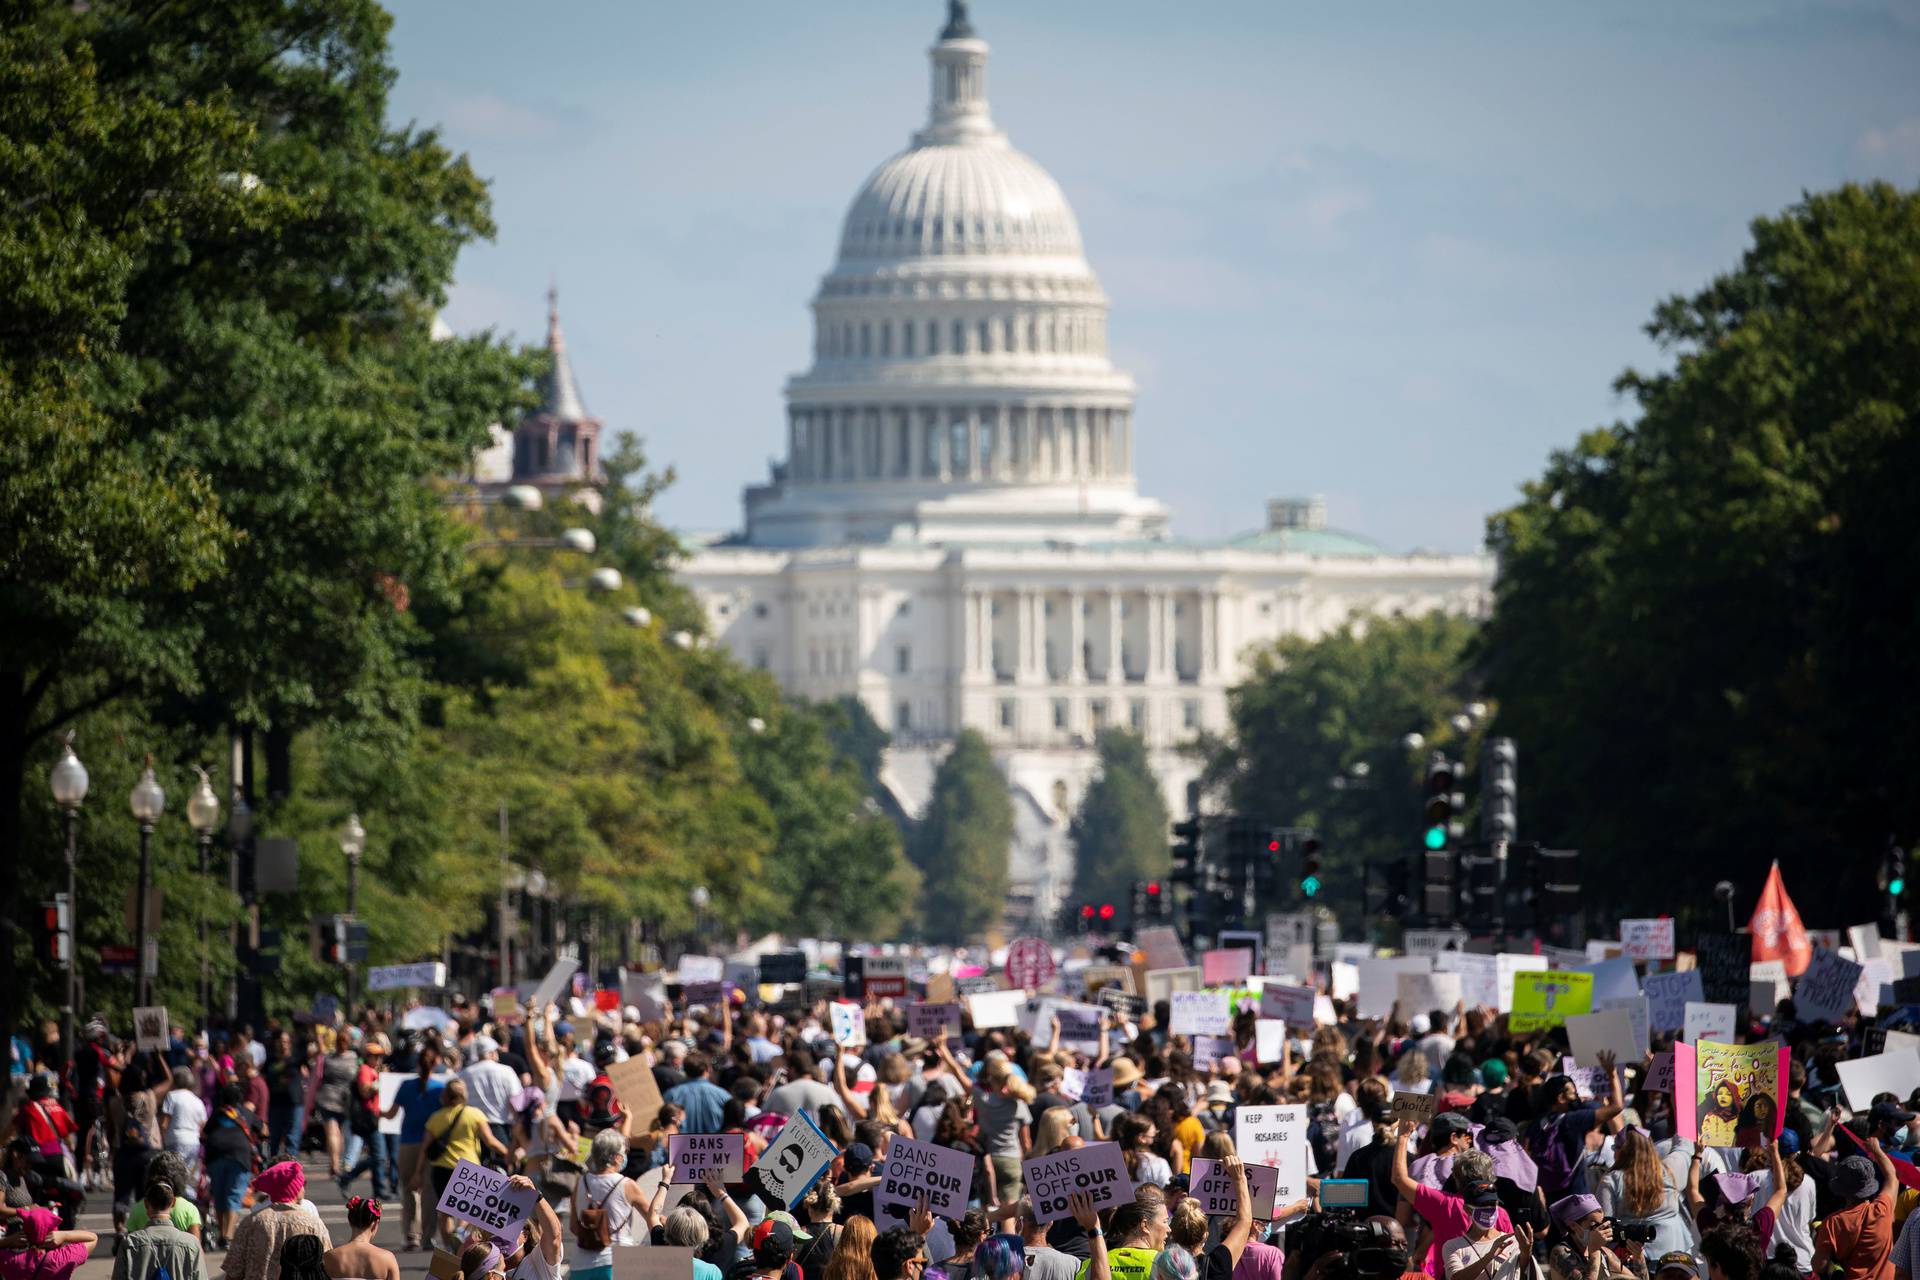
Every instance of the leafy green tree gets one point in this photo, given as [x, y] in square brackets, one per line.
[1704, 618]
[1318, 737]
[960, 846]
[1119, 832]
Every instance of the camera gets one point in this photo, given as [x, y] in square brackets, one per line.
[1627, 1229]
[1367, 1251]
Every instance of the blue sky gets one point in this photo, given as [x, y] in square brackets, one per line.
[1391, 253]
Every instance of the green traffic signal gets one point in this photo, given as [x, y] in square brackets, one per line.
[1896, 887]
[1310, 885]
[1437, 836]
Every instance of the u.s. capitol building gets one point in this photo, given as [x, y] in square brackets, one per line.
[955, 536]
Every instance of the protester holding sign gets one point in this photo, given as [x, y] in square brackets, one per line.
[605, 1206]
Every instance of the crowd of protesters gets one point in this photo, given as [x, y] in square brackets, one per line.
[1508, 1170]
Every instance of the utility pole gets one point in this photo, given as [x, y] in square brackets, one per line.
[506, 905]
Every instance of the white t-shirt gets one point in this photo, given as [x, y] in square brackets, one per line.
[1794, 1223]
[576, 1073]
[186, 1116]
[1460, 1253]
[491, 1087]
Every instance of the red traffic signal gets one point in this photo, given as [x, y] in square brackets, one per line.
[1086, 911]
[1106, 911]
[1273, 844]
[1153, 888]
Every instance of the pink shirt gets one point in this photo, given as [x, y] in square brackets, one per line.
[1449, 1216]
[33, 1264]
[1260, 1261]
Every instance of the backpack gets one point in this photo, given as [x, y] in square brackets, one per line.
[437, 1147]
[592, 1226]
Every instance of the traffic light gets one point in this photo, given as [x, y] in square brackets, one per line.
[53, 933]
[1480, 897]
[1500, 797]
[1438, 807]
[1156, 901]
[1893, 880]
[1437, 891]
[1106, 913]
[1396, 893]
[330, 940]
[1310, 881]
[1086, 917]
[1186, 852]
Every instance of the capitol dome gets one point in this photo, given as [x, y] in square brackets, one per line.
[960, 386]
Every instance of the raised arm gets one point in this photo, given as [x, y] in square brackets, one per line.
[855, 1104]
[1777, 1199]
[1083, 1213]
[1241, 1229]
[736, 1218]
[1616, 1100]
[1402, 1180]
[1883, 1163]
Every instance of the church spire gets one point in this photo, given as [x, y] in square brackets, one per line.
[559, 393]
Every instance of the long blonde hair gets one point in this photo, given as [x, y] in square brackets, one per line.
[853, 1252]
[1051, 1130]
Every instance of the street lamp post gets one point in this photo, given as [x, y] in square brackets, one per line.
[69, 782]
[699, 897]
[148, 802]
[353, 841]
[203, 815]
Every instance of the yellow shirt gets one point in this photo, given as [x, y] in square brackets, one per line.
[1191, 1134]
[462, 1124]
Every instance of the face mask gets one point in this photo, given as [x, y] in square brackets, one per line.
[1485, 1218]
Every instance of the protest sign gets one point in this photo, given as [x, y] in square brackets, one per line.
[444, 1266]
[1073, 1083]
[504, 1004]
[1548, 997]
[789, 1168]
[849, 1024]
[394, 977]
[424, 1017]
[553, 984]
[1588, 1082]
[1426, 992]
[1667, 996]
[1898, 1040]
[1508, 965]
[639, 1094]
[1079, 1027]
[1288, 929]
[704, 994]
[1647, 939]
[1380, 983]
[780, 967]
[1865, 941]
[1275, 1137]
[1660, 1073]
[1343, 978]
[1098, 1169]
[1637, 1015]
[389, 1086]
[701, 969]
[1220, 1198]
[646, 993]
[1479, 977]
[1416, 1107]
[1896, 1071]
[1096, 976]
[692, 1154]
[1124, 1004]
[1162, 983]
[1246, 940]
[1723, 960]
[1614, 977]
[1269, 1040]
[885, 977]
[1707, 1021]
[652, 1262]
[1591, 1034]
[1734, 1091]
[1432, 942]
[1162, 945]
[1208, 1050]
[1097, 1090]
[1767, 985]
[1824, 992]
[914, 1171]
[1876, 979]
[933, 1021]
[481, 1196]
[1200, 1013]
[1288, 1004]
[990, 1009]
[150, 1028]
[1226, 966]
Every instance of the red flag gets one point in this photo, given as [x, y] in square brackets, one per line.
[1777, 931]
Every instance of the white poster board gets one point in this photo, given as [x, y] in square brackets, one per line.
[396, 977]
[849, 1024]
[1896, 1071]
[481, 1196]
[1380, 983]
[1707, 1021]
[1210, 1185]
[1427, 992]
[1647, 939]
[150, 1028]
[1275, 1137]
[990, 1009]
[552, 985]
[1479, 977]
[1162, 983]
[915, 1171]
[1592, 1034]
[1269, 1040]
[1200, 1013]
[1097, 1169]
[1289, 1004]
[1637, 1013]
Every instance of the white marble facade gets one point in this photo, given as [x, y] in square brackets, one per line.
[955, 535]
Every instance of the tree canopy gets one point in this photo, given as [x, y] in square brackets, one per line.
[960, 846]
[1119, 833]
[1704, 618]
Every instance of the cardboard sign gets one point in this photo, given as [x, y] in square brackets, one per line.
[701, 969]
[849, 1024]
[1729, 1095]
[1275, 1137]
[990, 1009]
[914, 1171]
[1219, 1197]
[1707, 1022]
[1288, 1004]
[1208, 1050]
[1509, 966]
[1637, 1016]
[1162, 983]
[1591, 1034]
[1767, 985]
[933, 1022]
[1225, 966]
[1549, 997]
[780, 967]
[1097, 976]
[1660, 1074]
[646, 1262]
[1097, 1169]
[1667, 996]
[1647, 939]
[692, 1154]
[886, 977]
[639, 1094]
[1079, 1027]
[1246, 940]
[1200, 1013]
[1096, 1089]
[1479, 977]
[1865, 941]
[396, 977]
[1724, 960]
[481, 1196]
[646, 993]
[1612, 978]
[551, 986]
[1425, 992]
[1269, 1040]
[1124, 1004]
[1162, 945]
[1417, 1107]
[1825, 990]
[1380, 983]
[1896, 1071]
[795, 1161]
[150, 1028]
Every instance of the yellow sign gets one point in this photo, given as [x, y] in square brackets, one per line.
[1547, 998]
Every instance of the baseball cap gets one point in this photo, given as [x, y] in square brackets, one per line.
[1678, 1260]
[799, 1232]
[1449, 1123]
[1890, 1113]
[858, 1157]
[1482, 1195]
[772, 1242]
